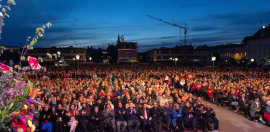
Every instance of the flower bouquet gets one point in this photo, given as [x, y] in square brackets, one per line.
[17, 94]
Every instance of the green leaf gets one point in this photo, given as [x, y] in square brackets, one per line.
[10, 105]
[29, 37]
[3, 9]
[19, 68]
[16, 65]
[32, 48]
[6, 14]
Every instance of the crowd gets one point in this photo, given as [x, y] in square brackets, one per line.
[143, 97]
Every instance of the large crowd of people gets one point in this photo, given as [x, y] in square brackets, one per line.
[118, 98]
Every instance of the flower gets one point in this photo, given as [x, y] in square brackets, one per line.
[22, 119]
[4, 67]
[30, 116]
[27, 103]
[34, 64]
[20, 130]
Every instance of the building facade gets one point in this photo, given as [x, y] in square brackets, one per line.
[229, 51]
[258, 46]
[127, 52]
[69, 53]
[189, 53]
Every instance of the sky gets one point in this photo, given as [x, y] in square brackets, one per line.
[98, 22]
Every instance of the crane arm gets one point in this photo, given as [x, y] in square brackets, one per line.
[167, 22]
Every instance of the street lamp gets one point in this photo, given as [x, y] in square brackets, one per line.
[252, 60]
[171, 58]
[77, 57]
[176, 59]
[90, 58]
[213, 59]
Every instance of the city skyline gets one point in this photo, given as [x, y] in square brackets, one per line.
[97, 23]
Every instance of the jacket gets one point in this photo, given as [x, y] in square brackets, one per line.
[167, 112]
[186, 113]
[175, 116]
[120, 116]
[254, 107]
[141, 113]
[134, 114]
[156, 112]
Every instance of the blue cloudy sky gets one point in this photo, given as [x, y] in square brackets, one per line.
[98, 22]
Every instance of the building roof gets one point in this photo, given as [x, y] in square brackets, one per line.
[223, 46]
[262, 33]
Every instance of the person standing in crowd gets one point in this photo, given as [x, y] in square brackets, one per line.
[120, 117]
[132, 114]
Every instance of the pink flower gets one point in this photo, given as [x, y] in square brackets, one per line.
[34, 64]
[4, 67]
[30, 116]
[27, 103]
[23, 120]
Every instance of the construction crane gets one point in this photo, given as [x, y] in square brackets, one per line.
[181, 27]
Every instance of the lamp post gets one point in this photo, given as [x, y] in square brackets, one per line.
[77, 57]
[252, 60]
[176, 59]
[90, 58]
[213, 59]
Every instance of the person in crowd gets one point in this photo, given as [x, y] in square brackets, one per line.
[177, 119]
[120, 117]
[97, 119]
[167, 114]
[163, 100]
[199, 114]
[73, 118]
[99, 104]
[145, 117]
[255, 107]
[188, 117]
[210, 116]
[243, 104]
[60, 117]
[46, 119]
[233, 100]
[83, 117]
[35, 112]
[132, 117]
[109, 117]
[156, 117]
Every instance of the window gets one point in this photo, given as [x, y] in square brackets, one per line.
[175, 52]
[165, 52]
[204, 57]
[158, 57]
[166, 57]
[157, 51]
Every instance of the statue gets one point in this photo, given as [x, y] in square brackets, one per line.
[122, 38]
